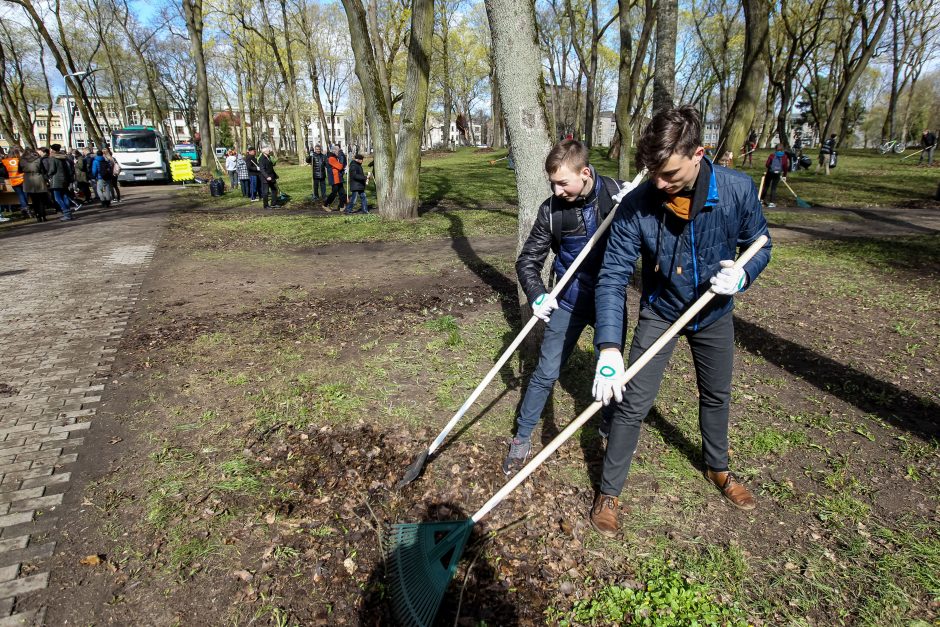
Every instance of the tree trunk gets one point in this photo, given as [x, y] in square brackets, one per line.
[414, 108]
[396, 171]
[292, 86]
[192, 13]
[753, 74]
[664, 78]
[312, 69]
[624, 92]
[498, 138]
[519, 70]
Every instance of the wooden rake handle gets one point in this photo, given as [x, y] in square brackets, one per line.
[634, 368]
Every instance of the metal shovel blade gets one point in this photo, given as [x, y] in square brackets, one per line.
[414, 470]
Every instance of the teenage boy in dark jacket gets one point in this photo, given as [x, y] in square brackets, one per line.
[254, 174]
[268, 178]
[686, 223]
[565, 222]
[319, 165]
[357, 185]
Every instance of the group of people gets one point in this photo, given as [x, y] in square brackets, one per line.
[255, 175]
[334, 167]
[257, 178]
[52, 178]
[687, 223]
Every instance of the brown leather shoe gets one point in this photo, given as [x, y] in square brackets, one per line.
[735, 492]
[604, 515]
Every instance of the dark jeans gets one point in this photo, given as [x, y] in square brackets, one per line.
[770, 188]
[253, 185]
[337, 189]
[245, 185]
[319, 188]
[85, 190]
[115, 189]
[561, 336]
[352, 201]
[233, 178]
[928, 152]
[62, 199]
[268, 187]
[713, 355]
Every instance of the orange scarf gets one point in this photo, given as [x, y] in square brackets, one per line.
[680, 205]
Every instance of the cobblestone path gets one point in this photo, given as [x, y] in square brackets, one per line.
[66, 293]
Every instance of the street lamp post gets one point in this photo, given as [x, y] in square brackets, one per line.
[79, 76]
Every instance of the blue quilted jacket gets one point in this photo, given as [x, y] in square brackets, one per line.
[678, 256]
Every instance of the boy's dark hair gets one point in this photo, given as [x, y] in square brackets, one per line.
[569, 152]
[358, 157]
[672, 131]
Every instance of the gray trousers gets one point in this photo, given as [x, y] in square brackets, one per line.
[713, 355]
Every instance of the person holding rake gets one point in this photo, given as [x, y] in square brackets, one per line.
[686, 223]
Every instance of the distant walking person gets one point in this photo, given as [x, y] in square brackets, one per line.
[826, 151]
[357, 185]
[778, 164]
[748, 149]
[12, 163]
[929, 141]
[241, 170]
[319, 165]
[59, 177]
[113, 172]
[231, 166]
[100, 172]
[254, 174]
[81, 176]
[34, 183]
[268, 179]
[336, 181]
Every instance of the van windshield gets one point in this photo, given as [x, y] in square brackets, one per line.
[133, 143]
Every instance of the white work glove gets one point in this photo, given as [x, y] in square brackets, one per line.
[543, 307]
[626, 189]
[729, 279]
[609, 372]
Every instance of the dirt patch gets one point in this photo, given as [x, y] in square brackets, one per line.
[267, 401]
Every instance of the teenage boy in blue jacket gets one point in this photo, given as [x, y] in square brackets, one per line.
[580, 201]
[686, 223]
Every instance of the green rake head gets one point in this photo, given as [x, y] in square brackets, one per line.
[422, 559]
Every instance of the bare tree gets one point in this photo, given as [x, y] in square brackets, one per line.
[192, 14]
[397, 167]
[753, 74]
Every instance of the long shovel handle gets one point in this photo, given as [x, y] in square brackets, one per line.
[760, 192]
[913, 153]
[528, 327]
[634, 368]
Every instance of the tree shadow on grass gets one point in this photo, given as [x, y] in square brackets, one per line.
[485, 599]
[889, 402]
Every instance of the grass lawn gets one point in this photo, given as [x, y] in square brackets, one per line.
[457, 187]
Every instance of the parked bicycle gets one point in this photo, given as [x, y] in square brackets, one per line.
[895, 145]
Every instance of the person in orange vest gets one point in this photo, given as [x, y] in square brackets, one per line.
[336, 181]
[11, 161]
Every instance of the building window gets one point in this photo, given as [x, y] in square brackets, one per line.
[40, 124]
[78, 128]
[42, 137]
[79, 143]
[57, 136]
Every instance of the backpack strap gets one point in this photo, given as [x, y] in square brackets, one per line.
[605, 198]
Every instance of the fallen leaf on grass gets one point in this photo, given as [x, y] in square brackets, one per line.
[91, 560]
[115, 440]
[349, 565]
[244, 575]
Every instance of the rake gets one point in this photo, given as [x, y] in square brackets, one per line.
[422, 557]
[799, 201]
[414, 470]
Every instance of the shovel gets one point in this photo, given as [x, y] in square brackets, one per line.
[414, 470]
[423, 557]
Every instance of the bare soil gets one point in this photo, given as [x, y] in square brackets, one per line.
[306, 546]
